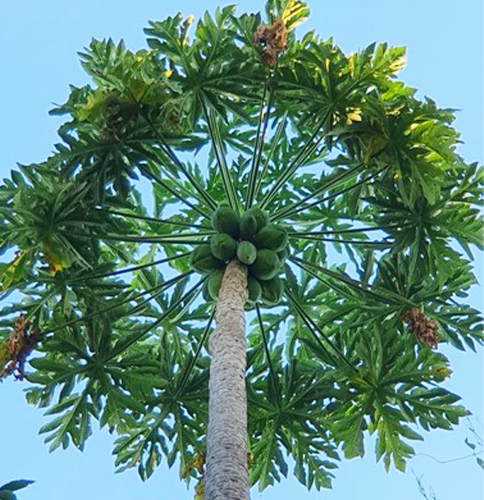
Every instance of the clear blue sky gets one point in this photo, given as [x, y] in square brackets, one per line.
[39, 42]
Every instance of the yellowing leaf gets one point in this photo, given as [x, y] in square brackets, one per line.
[18, 259]
[200, 490]
[141, 56]
[57, 262]
[398, 64]
[196, 463]
[292, 26]
[94, 101]
[353, 116]
[13, 271]
[444, 371]
[351, 63]
[291, 9]
[186, 27]
[138, 89]
[83, 114]
[294, 14]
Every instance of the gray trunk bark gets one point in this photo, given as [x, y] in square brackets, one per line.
[226, 474]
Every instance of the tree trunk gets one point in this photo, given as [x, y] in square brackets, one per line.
[226, 474]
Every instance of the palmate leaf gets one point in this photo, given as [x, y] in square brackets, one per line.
[432, 408]
[73, 425]
[350, 425]
[175, 429]
[389, 445]
[458, 324]
[398, 392]
[461, 323]
[463, 224]
[124, 384]
[269, 463]
[141, 447]
[289, 422]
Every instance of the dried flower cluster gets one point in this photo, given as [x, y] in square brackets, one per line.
[21, 344]
[198, 464]
[424, 329]
[273, 40]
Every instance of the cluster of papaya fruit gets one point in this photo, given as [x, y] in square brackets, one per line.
[255, 242]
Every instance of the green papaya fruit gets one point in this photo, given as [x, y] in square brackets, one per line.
[246, 252]
[273, 237]
[214, 282]
[266, 265]
[205, 293]
[248, 226]
[272, 291]
[223, 246]
[254, 288]
[249, 305]
[202, 260]
[226, 220]
[283, 255]
[261, 217]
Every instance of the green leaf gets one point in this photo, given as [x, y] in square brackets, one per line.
[7, 495]
[16, 485]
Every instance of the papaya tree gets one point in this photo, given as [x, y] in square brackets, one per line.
[243, 253]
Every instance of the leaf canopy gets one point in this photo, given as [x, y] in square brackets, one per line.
[382, 213]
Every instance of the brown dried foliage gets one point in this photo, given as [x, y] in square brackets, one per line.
[21, 344]
[197, 463]
[424, 329]
[273, 39]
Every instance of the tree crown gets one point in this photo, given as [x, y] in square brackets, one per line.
[362, 178]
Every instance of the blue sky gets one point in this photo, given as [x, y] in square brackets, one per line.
[39, 42]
